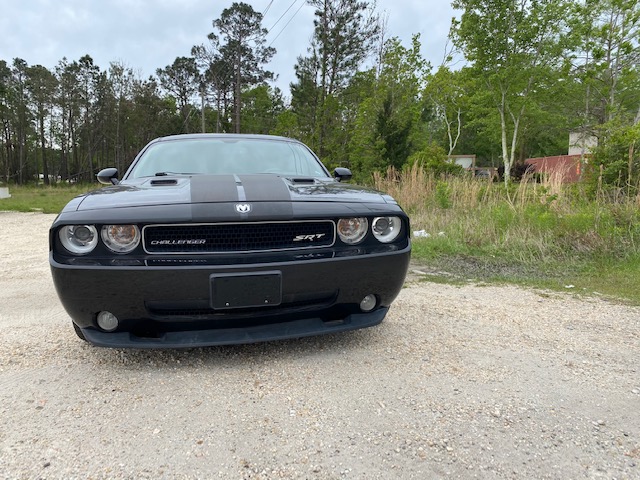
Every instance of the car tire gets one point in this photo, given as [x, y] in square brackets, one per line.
[78, 332]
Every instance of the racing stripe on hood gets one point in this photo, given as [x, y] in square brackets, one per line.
[241, 195]
[238, 188]
[265, 188]
[213, 189]
[268, 196]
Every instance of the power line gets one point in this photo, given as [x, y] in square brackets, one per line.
[292, 17]
[267, 9]
[285, 12]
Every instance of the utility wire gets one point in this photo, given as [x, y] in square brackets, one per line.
[292, 17]
[285, 12]
[267, 9]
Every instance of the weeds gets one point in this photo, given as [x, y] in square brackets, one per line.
[545, 232]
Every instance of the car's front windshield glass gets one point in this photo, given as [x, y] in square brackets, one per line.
[227, 156]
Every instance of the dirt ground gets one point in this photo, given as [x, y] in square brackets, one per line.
[458, 382]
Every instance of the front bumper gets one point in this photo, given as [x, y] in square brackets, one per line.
[305, 327]
[171, 306]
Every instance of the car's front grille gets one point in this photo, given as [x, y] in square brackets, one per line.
[237, 237]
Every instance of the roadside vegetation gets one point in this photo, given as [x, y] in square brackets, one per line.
[540, 233]
[45, 199]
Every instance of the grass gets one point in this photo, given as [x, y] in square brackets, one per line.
[612, 278]
[547, 235]
[46, 199]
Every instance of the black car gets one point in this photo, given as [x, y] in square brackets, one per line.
[214, 239]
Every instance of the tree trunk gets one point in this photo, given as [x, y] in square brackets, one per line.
[21, 156]
[202, 110]
[238, 89]
[505, 150]
[43, 149]
[632, 151]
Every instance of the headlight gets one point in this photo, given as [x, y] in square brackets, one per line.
[78, 239]
[352, 230]
[386, 229]
[120, 238]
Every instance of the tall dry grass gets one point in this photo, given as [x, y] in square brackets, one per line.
[530, 221]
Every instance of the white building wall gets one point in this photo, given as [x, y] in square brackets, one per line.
[579, 141]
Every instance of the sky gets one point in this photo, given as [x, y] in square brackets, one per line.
[148, 34]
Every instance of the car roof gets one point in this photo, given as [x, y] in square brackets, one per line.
[248, 136]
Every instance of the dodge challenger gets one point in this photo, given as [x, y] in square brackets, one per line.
[212, 239]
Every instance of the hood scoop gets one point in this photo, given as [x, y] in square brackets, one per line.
[302, 181]
[164, 182]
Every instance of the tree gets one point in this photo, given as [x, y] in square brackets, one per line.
[69, 105]
[512, 45]
[182, 80]
[5, 119]
[151, 115]
[388, 128]
[345, 34]
[239, 42]
[121, 81]
[73, 120]
[89, 76]
[22, 113]
[219, 75]
[447, 91]
[262, 106]
[42, 85]
[305, 99]
[607, 63]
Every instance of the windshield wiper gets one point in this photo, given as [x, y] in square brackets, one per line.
[164, 174]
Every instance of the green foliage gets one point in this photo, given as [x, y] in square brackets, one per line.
[366, 151]
[181, 80]
[388, 123]
[345, 32]
[433, 159]
[514, 46]
[447, 92]
[443, 195]
[287, 125]
[393, 133]
[617, 153]
[344, 35]
[261, 107]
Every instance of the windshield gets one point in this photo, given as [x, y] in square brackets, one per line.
[227, 156]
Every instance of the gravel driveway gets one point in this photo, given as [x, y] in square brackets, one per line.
[458, 382]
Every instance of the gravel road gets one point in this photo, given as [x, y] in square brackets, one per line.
[458, 382]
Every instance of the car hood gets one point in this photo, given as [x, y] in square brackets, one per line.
[173, 190]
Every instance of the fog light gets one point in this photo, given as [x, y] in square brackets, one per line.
[107, 321]
[368, 303]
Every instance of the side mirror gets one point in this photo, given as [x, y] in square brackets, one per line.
[108, 176]
[342, 174]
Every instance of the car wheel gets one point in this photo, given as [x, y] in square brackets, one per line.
[78, 332]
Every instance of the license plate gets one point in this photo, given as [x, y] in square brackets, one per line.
[239, 290]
